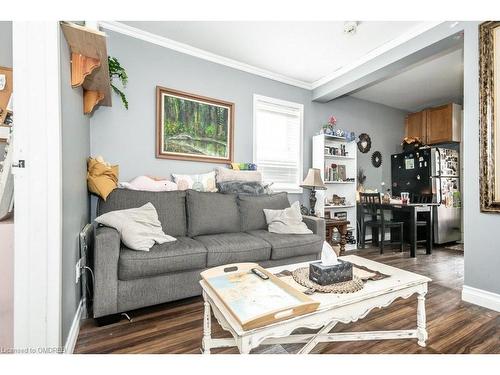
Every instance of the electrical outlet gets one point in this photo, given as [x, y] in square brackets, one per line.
[78, 270]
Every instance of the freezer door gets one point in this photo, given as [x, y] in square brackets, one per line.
[445, 162]
[447, 224]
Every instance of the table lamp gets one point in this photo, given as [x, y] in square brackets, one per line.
[313, 182]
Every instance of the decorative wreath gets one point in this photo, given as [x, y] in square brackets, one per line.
[377, 159]
[364, 143]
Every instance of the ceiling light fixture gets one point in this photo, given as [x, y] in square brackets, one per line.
[350, 27]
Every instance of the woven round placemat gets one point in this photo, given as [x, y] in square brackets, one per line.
[301, 276]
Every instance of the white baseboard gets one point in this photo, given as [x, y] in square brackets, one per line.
[481, 297]
[69, 347]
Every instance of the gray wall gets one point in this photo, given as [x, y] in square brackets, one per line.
[5, 56]
[482, 249]
[6, 44]
[384, 125]
[128, 137]
[75, 150]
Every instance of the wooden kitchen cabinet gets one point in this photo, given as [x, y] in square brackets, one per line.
[415, 126]
[444, 124]
[435, 125]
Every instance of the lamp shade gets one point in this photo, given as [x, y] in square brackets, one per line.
[313, 180]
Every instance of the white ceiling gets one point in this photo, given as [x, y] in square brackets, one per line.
[434, 81]
[304, 51]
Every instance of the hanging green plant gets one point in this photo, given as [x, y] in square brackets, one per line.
[118, 72]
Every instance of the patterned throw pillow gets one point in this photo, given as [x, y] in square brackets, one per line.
[243, 187]
[198, 182]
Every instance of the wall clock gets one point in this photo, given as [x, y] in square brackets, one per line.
[364, 143]
[377, 159]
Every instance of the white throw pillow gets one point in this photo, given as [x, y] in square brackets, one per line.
[287, 221]
[139, 228]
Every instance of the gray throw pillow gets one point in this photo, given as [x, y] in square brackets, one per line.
[242, 187]
[252, 209]
[211, 213]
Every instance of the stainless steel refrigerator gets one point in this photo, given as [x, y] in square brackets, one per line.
[432, 172]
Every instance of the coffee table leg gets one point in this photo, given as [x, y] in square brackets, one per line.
[207, 328]
[421, 320]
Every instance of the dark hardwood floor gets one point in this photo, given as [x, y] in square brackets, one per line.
[454, 326]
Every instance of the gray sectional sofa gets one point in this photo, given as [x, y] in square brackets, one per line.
[212, 229]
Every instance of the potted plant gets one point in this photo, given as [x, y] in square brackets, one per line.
[116, 71]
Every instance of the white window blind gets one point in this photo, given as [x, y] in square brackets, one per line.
[278, 142]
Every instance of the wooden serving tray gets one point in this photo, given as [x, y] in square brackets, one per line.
[255, 302]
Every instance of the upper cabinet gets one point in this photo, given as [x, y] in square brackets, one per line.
[415, 126]
[444, 124]
[435, 125]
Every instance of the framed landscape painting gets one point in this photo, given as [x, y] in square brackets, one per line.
[193, 127]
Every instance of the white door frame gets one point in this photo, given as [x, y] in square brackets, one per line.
[38, 189]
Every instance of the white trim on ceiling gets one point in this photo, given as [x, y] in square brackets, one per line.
[200, 53]
[146, 36]
[403, 38]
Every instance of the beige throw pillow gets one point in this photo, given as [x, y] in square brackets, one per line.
[287, 221]
[139, 228]
[226, 174]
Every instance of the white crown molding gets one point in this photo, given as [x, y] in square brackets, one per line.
[146, 36]
[134, 32]
[481, 297]
[420, 29]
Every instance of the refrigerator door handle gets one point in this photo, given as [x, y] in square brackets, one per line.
[438, 169]
[440, 191]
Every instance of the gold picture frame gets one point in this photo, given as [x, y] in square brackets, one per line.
[489, 116]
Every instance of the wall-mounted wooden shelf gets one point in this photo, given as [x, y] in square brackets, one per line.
[89, 64]
[5, 93]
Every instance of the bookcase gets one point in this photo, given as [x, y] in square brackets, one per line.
[337, 159]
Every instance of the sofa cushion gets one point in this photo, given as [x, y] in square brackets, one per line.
[170, 206]
[290, 245]
[211, 213]
[252, 209]
[234, 248]
[182, 255]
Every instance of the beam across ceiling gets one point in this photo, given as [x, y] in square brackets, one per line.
[445, 35]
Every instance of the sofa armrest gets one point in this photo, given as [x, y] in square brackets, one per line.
[106, 254]
[316, 224]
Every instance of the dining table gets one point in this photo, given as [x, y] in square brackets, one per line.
[411, 211]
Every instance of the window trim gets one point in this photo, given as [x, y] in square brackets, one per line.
[297, 106]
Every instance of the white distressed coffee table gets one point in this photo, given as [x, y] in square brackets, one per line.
[334, 308]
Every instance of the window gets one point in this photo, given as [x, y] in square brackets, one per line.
[277, 143]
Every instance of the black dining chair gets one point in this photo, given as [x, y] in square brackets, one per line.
[371, 206]
[423, 219]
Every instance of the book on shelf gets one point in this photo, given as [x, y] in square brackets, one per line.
[335, 172]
